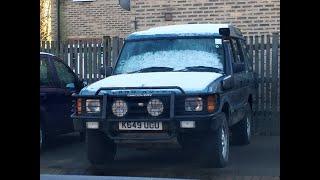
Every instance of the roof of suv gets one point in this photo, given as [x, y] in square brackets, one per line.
[184, 30]
[44, 53]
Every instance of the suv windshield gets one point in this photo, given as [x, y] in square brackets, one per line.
[191, 54]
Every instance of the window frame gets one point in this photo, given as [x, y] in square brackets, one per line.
[50, 72]
[239, 50]
[59, 81]
[246, 55]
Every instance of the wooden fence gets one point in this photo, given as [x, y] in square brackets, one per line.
[86, 57]
[265, 53]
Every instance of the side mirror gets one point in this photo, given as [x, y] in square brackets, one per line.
[70, 86]
[84, 83]
[227, 83]
[107, 71]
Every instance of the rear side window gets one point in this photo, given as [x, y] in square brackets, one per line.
[45, 73]
[246, 55]
[236, 50]
[65, 74]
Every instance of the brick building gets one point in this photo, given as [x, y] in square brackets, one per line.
[97, 18]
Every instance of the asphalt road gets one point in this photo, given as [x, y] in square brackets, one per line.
[259, 160]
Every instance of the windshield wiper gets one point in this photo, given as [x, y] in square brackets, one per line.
[153, 69]
[202, 69]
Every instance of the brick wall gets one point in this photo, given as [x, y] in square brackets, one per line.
[105, 17]
[253, 17]
[93, 19]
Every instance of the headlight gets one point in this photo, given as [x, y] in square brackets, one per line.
[92, 105]
[119, 108]
[193, 104]
[155, 107]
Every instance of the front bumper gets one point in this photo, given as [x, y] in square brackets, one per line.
[171, 124]
[171, 127]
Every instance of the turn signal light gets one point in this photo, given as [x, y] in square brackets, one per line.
[212, 103]
[78, 105]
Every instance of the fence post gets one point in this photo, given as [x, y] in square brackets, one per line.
[85, 60]
[42, 46]
[61, 49]
[90, 61]
[105, 53]
[80, 59]
[94, 64]
[71, 54]
[275, 86]
[76, 57]
[268, 81]
[115, 50]
[66, 52]
[120, 45]
[47, 46]
[262, 79]
[256, 73]
[99, 59]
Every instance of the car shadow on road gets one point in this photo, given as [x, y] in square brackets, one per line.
[164, 163]
[260, 158]
[62, 141]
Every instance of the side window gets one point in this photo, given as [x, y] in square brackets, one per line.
[246, 55]
[237, 55]
[45, 74]
[65, 75]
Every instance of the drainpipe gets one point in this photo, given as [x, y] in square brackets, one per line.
[58, 24]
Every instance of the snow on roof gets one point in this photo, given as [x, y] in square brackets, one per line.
[201, 29]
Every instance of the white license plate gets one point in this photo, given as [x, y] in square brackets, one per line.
[140, 125]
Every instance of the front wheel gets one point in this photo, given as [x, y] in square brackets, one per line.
[241, 132]
[216, 146]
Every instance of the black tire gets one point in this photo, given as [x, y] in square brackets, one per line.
[213, 146]
[100, 149]
[241, 132]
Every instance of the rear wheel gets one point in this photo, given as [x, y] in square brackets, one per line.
[241, 132]
[100, 149]
[215, 150]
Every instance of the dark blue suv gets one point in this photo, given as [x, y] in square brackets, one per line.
[192, 83]
[57, 83]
